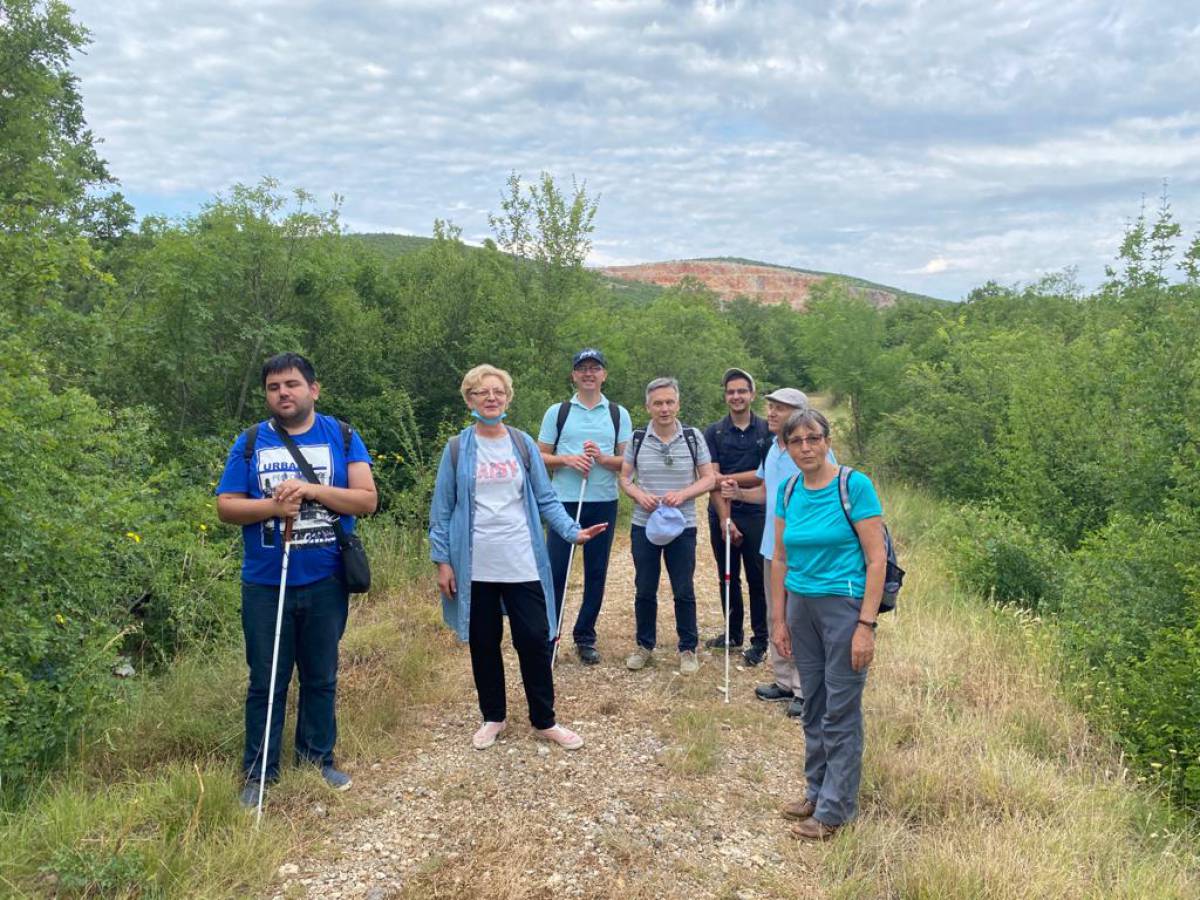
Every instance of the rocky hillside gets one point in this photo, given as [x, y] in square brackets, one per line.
[735, 278]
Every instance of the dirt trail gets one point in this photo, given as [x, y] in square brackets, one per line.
[674, 795]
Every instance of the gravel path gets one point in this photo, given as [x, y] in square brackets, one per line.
[675, 793]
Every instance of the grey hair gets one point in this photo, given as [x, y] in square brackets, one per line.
[804, 418]
[658, 383]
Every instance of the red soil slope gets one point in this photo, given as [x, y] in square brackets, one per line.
[766, 284]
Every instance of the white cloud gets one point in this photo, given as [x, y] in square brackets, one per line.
[876, 139]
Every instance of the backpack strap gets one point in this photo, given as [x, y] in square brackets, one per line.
[844, 473]
[564, 410]
[689, 438]
[638, 437]
[787, 491]
[251, 434]
[614, 410]
[347, 434]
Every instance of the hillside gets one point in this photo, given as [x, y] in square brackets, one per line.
[729, 277]
[766, 282]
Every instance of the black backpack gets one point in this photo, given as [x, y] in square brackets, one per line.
[564, 410]
[893, 577]
[689, 438]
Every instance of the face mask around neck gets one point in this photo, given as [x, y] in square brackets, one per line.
[489, 420]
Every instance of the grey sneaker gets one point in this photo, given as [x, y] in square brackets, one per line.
[249, 795]
[689, 663]
[638, 658]
[336, 778]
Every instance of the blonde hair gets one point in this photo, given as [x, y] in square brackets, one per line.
[475, 377]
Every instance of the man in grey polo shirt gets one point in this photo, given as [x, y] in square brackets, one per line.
[665, 464]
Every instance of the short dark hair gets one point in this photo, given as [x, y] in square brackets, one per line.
[281, 362]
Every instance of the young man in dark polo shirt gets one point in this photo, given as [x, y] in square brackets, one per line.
[738, 444]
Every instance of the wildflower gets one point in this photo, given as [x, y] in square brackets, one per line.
[60, 619]
[134, 536]
[203, 527]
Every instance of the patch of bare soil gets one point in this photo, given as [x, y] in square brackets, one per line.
[675, 793]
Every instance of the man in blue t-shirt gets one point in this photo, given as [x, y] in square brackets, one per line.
[262, 487]
[584, 438]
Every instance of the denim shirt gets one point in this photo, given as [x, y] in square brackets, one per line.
[452, 522]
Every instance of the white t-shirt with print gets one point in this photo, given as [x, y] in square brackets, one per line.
[501, 547]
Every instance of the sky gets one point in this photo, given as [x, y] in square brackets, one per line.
[932, 146]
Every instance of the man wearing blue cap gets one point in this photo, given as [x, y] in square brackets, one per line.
[582, 441]
[666, 467]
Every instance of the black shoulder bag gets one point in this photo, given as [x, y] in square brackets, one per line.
[356, 570]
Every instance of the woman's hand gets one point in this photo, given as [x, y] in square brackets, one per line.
[446, 583]
[862, 647]
[781, 638]
[586, 534]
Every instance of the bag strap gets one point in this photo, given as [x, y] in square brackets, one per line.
[251, 440]
[564, 410]
[614, 411]
[307, 471]
[844, 473]
[787, 491]
[638, 437]
[689, 438]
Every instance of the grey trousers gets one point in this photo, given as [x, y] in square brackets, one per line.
[822, 628]
[783, 667]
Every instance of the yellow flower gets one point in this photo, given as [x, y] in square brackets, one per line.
[60, 619]
[203, 527]
[134, 536]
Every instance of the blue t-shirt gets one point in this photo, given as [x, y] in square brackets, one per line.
[824, 557]
[315, 553]
[585, 424]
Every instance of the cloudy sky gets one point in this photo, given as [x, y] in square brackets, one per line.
[928, 145]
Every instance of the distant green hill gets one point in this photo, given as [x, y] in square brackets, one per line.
[390, 246]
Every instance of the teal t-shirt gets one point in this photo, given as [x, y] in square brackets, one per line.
[824, 557]
[585, 424]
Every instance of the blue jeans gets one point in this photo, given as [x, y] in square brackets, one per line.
[314, 618]
[595, 565]
[680, 557]
[821, 630]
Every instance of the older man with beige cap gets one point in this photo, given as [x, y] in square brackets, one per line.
[776, 469]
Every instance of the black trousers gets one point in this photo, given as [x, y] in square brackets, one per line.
[525, 604]
[744, 556]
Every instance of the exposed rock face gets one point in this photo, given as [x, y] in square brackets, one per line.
[766, 284]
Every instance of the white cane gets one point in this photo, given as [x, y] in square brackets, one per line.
[728, 541]
[266, 743]
[562, 608]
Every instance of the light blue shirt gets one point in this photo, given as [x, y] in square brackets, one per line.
[585, 424]
[452, 525]
[776, 469]
[825, 557]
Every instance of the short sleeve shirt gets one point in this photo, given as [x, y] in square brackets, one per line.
[824, 555]
[585, 424]
[739, 450]
[314, 554]
[776, 469]
[665, 466]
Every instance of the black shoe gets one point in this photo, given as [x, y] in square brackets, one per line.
[772, 693]
[718, 643]
[753, 656]
[796, 708]
[587, 655]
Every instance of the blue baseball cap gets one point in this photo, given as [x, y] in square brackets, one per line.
[589, 354]
[664, 525]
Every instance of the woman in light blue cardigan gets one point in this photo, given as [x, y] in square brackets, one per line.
[485, 534]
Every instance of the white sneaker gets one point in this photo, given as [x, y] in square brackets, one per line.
[561, 735]
[689, 663]
[487, 734]
[638, 658]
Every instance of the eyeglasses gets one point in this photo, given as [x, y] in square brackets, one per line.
[802, 440]
[589, 370]
[483, 394]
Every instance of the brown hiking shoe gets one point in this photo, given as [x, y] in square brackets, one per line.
[813, 830]
[798, 809]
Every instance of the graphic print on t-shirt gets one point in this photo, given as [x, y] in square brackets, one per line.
[314, 525]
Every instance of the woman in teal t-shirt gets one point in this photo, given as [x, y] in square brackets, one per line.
[833, 572]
